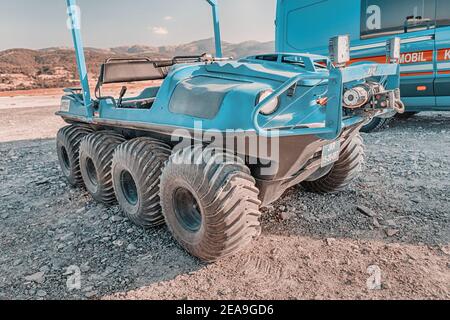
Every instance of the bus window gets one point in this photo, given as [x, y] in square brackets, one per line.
[386, 17]
[443, 13]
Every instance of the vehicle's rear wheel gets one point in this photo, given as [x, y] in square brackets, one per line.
[68, 148]
[136, 169]
[375, 124]
[210, 202]
[96, 154]
[344, 171]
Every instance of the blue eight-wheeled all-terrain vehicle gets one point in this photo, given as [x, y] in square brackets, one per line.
[220, 138]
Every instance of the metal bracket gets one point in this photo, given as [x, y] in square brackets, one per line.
[216, 22]
[73, 13]
[74, 16]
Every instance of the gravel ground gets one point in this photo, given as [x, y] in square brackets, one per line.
[393, 224]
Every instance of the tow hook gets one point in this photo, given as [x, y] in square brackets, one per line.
[398, 105]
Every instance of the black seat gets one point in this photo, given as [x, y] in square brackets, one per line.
[120, 70]
[130, 70]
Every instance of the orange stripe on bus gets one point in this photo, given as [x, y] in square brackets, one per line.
[377, 59]
[406, 58]
[416, 57]
[416, 74]
[444, 54]
[444, 72]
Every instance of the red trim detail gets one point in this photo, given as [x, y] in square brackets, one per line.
[416, 57]
[377, 59]
[444, 54]
[406, 58]
[417, 74]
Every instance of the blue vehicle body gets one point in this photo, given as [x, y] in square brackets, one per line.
[224, 95]
[423, 26]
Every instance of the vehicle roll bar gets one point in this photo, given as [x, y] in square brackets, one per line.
[73, 12]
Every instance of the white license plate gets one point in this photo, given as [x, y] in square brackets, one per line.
[65, 105]
[330, 153]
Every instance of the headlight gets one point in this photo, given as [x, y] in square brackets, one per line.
[356, 97]
[272, 106]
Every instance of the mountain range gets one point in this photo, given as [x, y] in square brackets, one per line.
[22, 69]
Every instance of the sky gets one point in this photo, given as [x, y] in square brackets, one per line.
[36, 24]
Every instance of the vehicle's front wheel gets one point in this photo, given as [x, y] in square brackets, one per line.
[343, 172]
[210, 202]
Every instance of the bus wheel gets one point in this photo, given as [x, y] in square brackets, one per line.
[375, 124]
[406, 115]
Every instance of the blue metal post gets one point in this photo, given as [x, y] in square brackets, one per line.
[74, 16]
[216, 21]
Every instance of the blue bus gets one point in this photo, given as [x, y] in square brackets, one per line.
[422, 25]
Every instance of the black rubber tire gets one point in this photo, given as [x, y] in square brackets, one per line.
[211, 208]
[68, 149]
[96, 154]
[136, 170]
[406, 115]
[376, 124]
[344, 171]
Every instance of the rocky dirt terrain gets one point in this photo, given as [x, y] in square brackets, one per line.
[392, 225]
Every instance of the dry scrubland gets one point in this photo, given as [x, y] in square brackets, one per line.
[24, 69]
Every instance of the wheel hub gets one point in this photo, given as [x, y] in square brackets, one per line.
[187, 210]
[129, 189]
[91, 171]
[65, 158]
